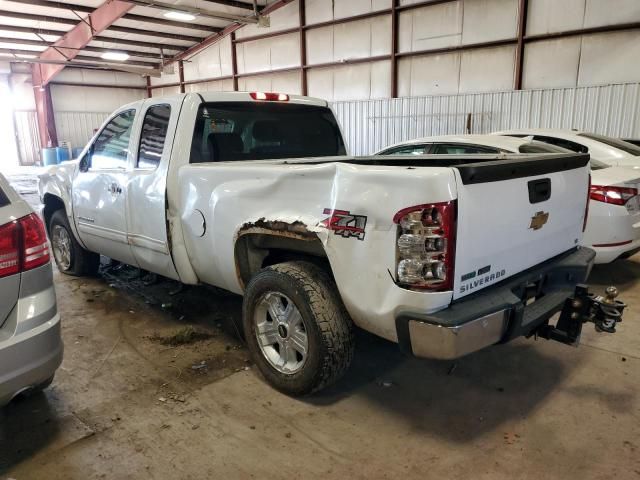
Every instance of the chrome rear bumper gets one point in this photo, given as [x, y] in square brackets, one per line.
[498, 313]
[445, 343]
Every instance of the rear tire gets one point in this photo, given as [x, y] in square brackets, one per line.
[297, 329]
[69, 255]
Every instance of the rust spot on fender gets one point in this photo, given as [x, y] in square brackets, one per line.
[296, 229]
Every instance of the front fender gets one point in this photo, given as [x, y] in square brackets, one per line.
[56, 182]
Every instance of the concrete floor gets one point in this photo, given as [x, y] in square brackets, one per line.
[128, 404]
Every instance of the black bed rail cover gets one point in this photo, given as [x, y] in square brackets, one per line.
[514, 167]
[481, 168]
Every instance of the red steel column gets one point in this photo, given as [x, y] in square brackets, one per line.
[394, 49]
[303, 49]
[44, 110]
[523, 5]
[181, 75]
[234, 62]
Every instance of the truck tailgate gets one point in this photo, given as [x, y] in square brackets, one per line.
[514, 215]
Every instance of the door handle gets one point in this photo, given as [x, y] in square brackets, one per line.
[115, 189]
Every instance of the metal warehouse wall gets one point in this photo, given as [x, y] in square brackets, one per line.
[439, 53]
[81, 102]
[367, 49]
[374, 124]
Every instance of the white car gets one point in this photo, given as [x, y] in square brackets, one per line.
[612, 151]
[613, 227]
[633, 141]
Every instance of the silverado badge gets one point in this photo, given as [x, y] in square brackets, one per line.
[538, 220]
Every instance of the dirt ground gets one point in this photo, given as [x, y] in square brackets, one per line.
[156, 383]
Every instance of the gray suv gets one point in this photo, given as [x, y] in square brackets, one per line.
[30, 341]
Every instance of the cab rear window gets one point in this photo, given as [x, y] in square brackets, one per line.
[260, 131]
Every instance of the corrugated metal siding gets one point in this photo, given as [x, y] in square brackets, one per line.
[369, 125]
[77, 127]
[28, 139]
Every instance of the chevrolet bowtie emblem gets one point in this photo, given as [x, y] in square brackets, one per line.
[538, 220]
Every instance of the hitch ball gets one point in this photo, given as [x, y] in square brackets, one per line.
[610, 295]
[607, 311]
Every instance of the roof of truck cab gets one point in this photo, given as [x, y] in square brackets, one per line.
[506, 143]
[242, 97]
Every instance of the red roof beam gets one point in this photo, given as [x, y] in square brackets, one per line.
[78, 37]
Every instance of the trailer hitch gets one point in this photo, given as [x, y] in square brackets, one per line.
[582, 307]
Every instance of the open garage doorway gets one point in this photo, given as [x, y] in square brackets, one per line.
[9, 159]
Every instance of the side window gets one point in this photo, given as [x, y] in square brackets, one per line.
[153, 136]
[461, 149]
[112, 145]
[407, 150]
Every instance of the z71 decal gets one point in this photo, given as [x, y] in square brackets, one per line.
[344, 223]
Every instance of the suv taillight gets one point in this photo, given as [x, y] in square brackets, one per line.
[9, 249]
[23, 245]
[426, 246]
[609, 194]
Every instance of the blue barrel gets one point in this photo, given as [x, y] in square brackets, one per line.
[62, 154]
[76, 152]
[49, 156]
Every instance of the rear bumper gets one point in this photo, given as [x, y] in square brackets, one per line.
[496, 314]
[609, 254]
[30, 358]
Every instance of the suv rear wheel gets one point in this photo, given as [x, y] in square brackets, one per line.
[297, 329]
[69, 255]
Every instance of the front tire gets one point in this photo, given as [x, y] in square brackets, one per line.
[297, 329]
[69, 255]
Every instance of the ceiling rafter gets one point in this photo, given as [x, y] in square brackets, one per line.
[101, 24]
[113, 28]
[35, 53]
[254, 18]
[78, 37]
[232, 3]
[44, 43]
[99, 38]
[93, 63]
[128, 16]
[228, 30]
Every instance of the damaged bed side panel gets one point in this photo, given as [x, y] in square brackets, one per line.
[344, 210]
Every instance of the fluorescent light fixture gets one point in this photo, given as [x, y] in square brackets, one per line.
[180, 16]
[117, 56]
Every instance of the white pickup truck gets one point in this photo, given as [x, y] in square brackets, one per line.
[253, 193]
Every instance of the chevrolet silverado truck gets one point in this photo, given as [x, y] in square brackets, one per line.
[254, 193]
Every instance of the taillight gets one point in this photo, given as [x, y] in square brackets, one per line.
[426, 246]
[586, 207]
[270, 96]
[9, 249]
[610, 194]
[35, 244]
[23, 245]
